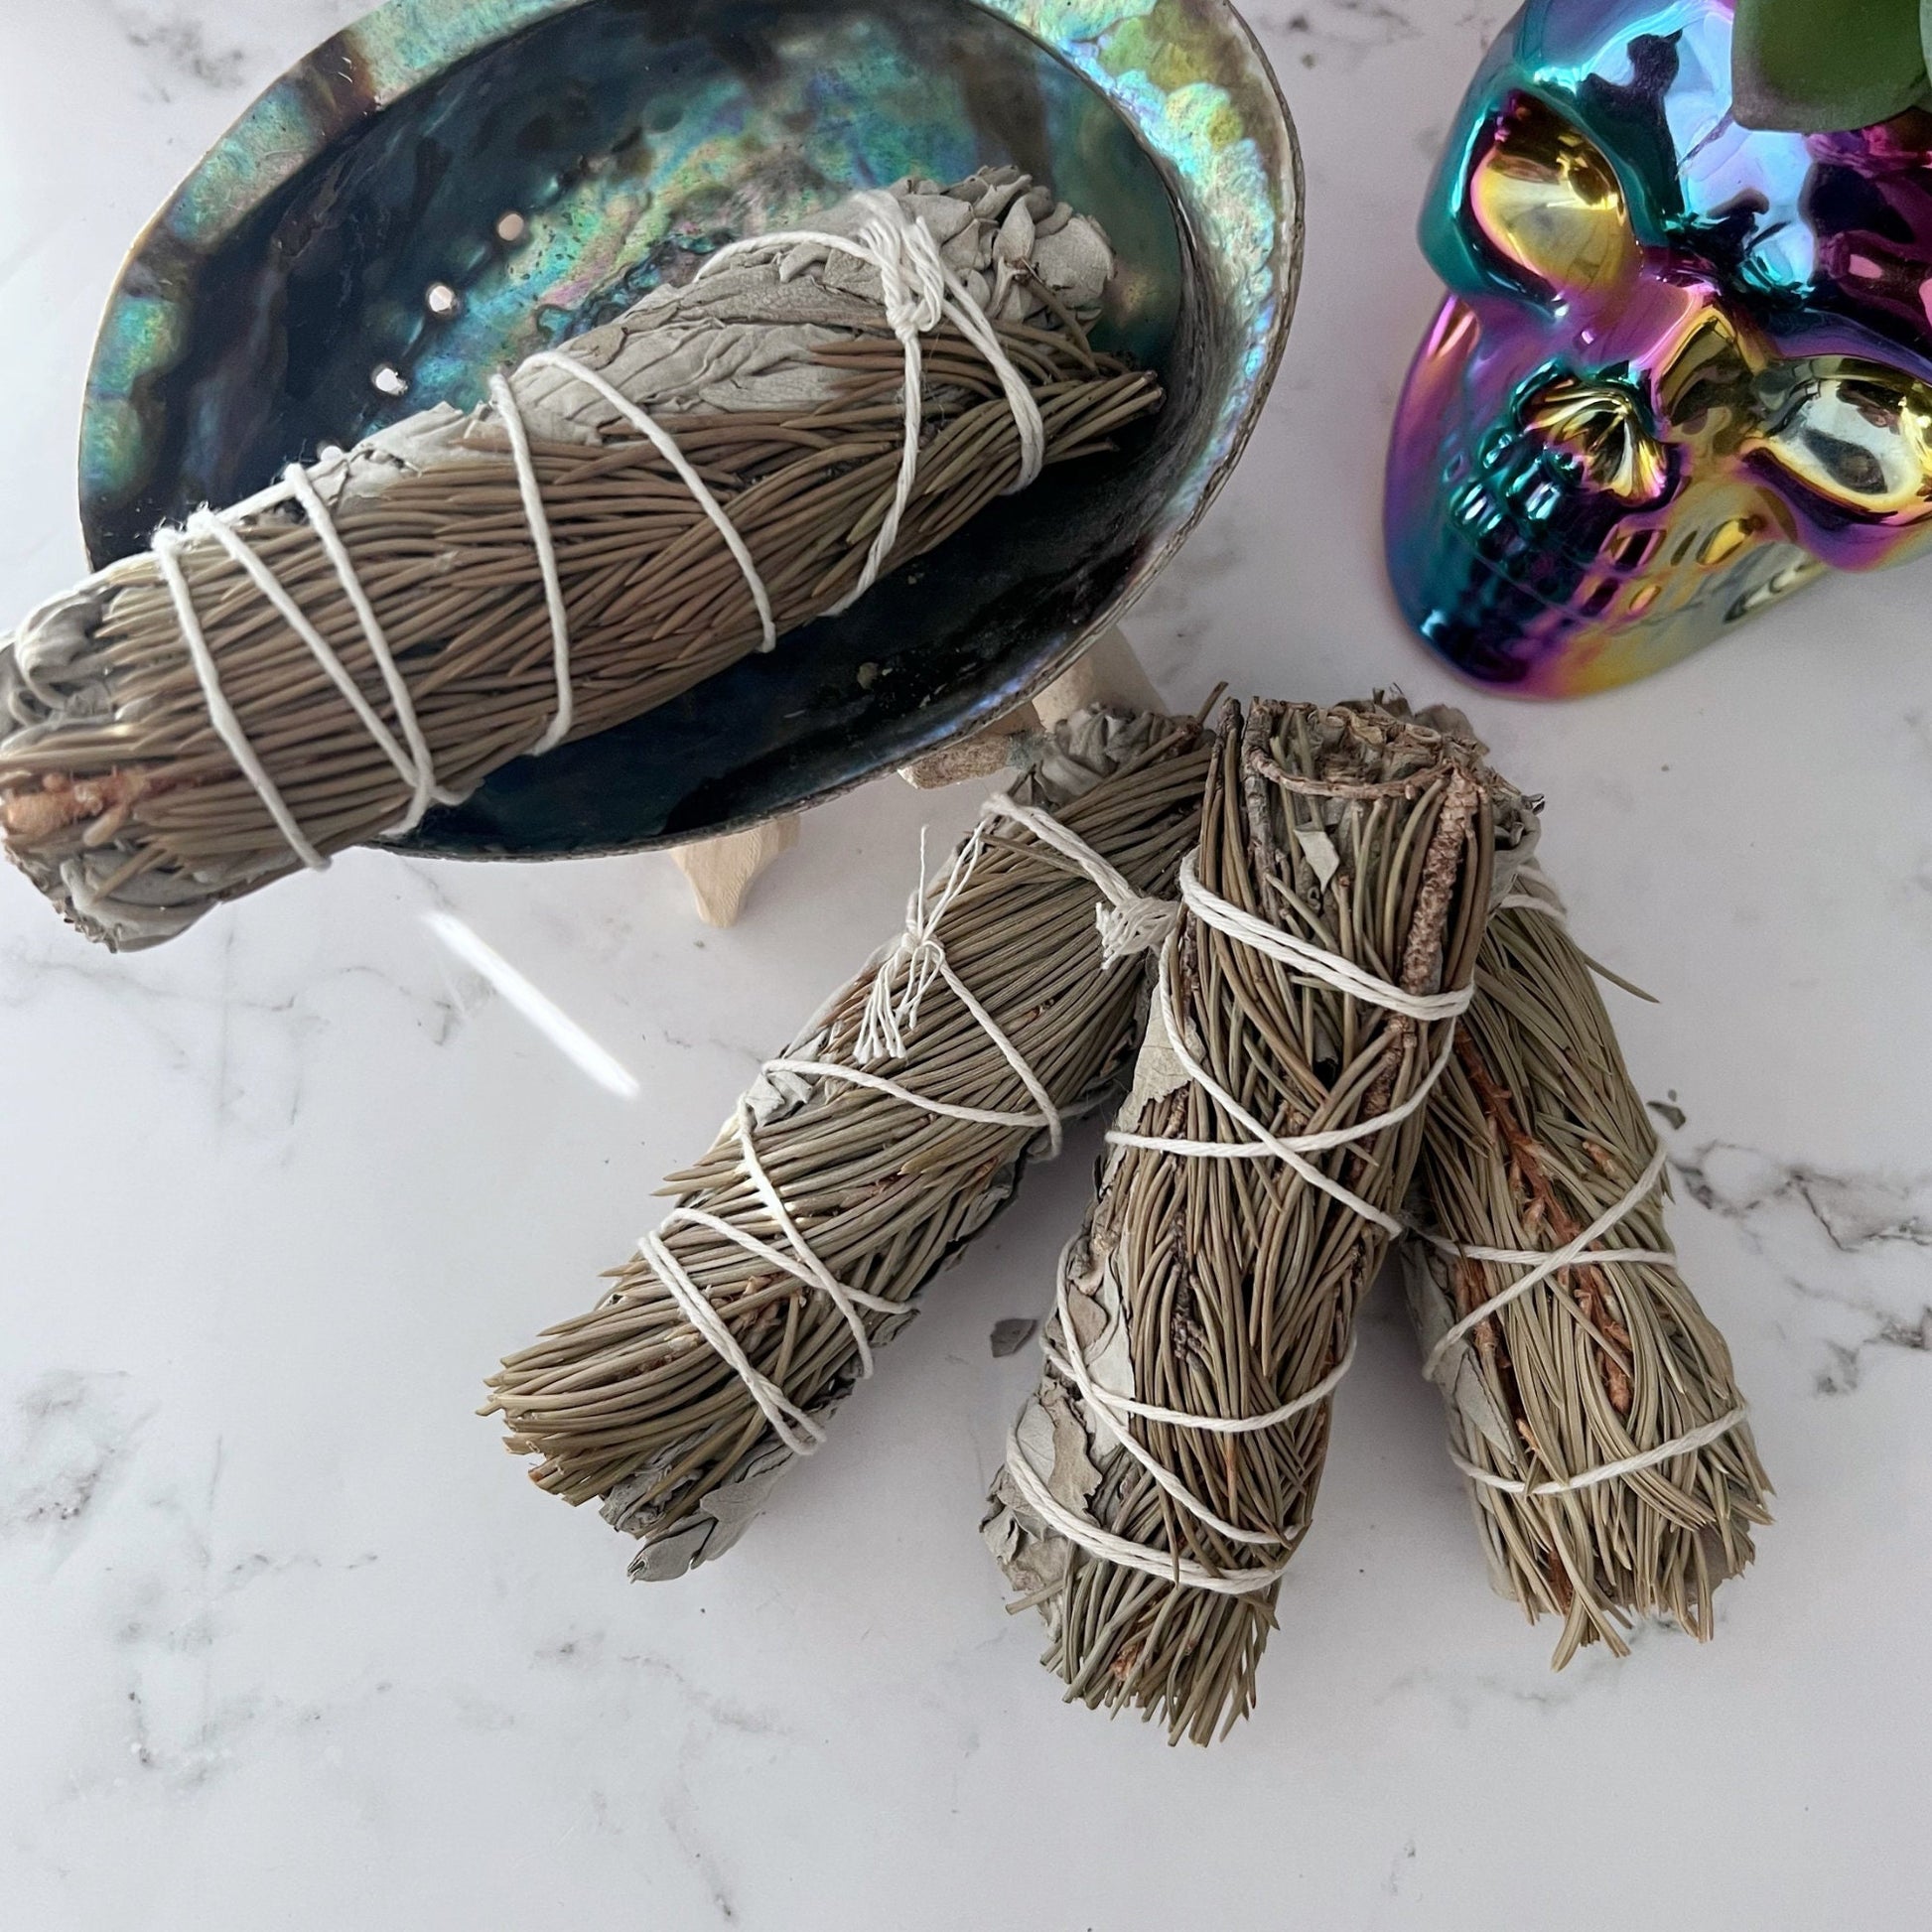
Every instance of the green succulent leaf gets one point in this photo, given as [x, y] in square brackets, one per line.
[1815, 66]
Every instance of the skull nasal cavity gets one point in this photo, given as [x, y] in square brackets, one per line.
[1604, 428]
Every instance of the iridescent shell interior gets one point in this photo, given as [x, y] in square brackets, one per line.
[450, 185]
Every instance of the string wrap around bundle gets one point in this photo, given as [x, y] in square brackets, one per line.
[920, 291]
[802, 1241]
[166, 554]
[796, 1430]
[1119, 1410]
[1304, 1001]
[890, 1020]
[412, 758]
[1330, 969]
[1343, 976]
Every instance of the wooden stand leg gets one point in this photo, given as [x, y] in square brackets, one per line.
[723, 871]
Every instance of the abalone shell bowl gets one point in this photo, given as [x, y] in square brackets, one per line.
[450, 184]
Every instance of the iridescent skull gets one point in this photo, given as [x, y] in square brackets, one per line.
[1683, 367]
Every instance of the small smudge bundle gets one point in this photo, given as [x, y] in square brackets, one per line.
[1591, 1402]
[887, 1138]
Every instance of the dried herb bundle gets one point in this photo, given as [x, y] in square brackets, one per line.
[1166, 1471]
[639, 1401]
[1564, 1402]
[448, 643]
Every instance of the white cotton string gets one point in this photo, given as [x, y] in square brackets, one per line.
[412, 758]
[1049, 1116]
[789, 1423]
[1316, 962]
[1543, 1266]
[911, 317]
[1313, 962]
[1089, 1536]
[1118, 1408]
[847, 1300]
[890, 1015]
[530, 486]
[415, 770]
[922, 956]
[1127, 923]
[422, 778]
[857, 1077]
[1523, 1257]
[1345, 977]
[662, 440]
[1273, 1147]
[1685, 1444]
[1113, 1406]
[1130, 922]
[920, 290]
[1263, 1142]
[796, 1430]
[166, 548]
[806, 1267]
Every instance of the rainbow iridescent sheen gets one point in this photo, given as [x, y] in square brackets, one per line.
[450, 184]
[1683, 367]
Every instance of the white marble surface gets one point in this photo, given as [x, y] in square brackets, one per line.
[289, 1643]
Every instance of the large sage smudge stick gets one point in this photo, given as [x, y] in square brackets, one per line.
[1593, 1405]
[727, 461]
[1164, 1475]
[886, 1139]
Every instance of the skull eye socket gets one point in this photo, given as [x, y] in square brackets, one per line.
[1855, 433]
[1548, 205]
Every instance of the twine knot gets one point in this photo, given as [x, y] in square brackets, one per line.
[891, 1012]
[1136, 925]
[911, 271]
[920, 290]
[1130, 922]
